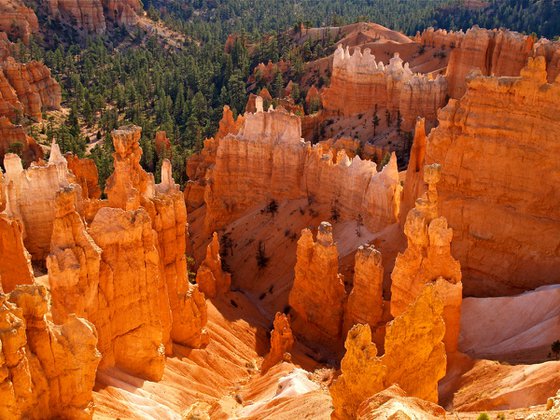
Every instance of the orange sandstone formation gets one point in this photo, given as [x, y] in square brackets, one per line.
[281, 342]
[267, 159]
[17, 20]
[210, 277]
[46, 370]
[317, 296]
[428, 259]
[359, 84]
[122, 12]
[73, 263]
[30, 194]
[13, 139]
[15, 261]
[414, 180]
[86, 174]
[84, 15]
[36, 90]
[163, 145]
[414, 357]
[505, 218]
[499, 52]
[365, 302]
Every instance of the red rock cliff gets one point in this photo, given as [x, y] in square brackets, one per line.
[499, 186]
[17, 20]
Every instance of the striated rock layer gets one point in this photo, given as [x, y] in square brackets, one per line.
[17, 20]
[428, 259]
[15, 263]
[317, 297]
[46, 370]
[86, 174]
[414, 357]
[30, 194]
[360, 84]
[33, 86]
[505, 218]
[281, 342]
[268, 160]
[14, 140]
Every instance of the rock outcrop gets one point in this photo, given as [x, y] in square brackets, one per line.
[17, 20]
[365, 302]
[73, 263]
[428, 259]
[15, 263]
[32, 83]
[30, 194]
[86, 174]
[360, 84]
[14, 140]
[393, 403]
[93, 16]
[318, 295]
[281, 342]
[505, 218]
[267, 159]
[129, 323]
[85, 16]
[212, 280]
[414, 357]
[46, 370]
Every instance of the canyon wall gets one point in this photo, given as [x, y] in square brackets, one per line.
[28, 89]
[15, 264]
[493, 52]
[30, 195]
[499, 187]
[14, 139]
[46, 369]
[92, 16]
[17, 20]
[267, 159]
[359, 84]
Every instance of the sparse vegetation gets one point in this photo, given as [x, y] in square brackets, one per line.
[262, 258]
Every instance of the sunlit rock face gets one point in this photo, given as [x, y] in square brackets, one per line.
[414, 358]
[46, 369]
[360, 84]
[267, 159]
[505, 218]
[281, 342]
[318, 295]
[212, 280]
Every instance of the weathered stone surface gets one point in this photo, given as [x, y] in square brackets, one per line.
[163, 145]
[13, 139]
[428, 258]
[15, 261]
[212, 280]
[363, 373]
[46, 370]
[268, 160]
[83, 15]
[30, 195]
[317, 296]
[281, 342]
[122, 12]
[129, 182]
[73, 263]
[36, 90]
[86, 174]
[414, 180]
[414, 357]
[359, 84]
[128, 319]
[505, 218]
[365, 302]
[17, 20]
[393, 403]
